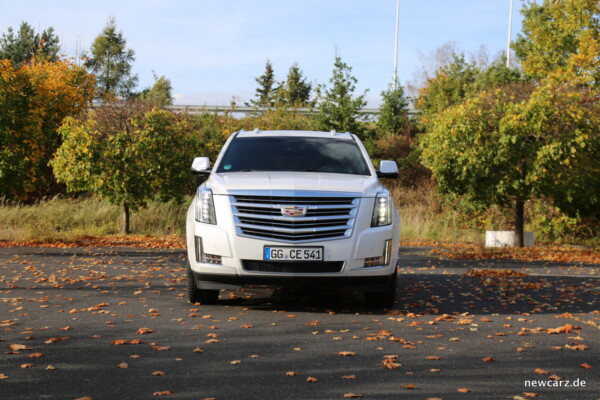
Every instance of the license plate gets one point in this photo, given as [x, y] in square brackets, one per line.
[293, 253]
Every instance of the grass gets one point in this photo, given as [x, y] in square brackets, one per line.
[71, 219]
[424, 218]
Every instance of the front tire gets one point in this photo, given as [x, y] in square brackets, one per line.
[195, 295]
[385, 298]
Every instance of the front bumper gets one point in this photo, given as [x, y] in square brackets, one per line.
[232, 251]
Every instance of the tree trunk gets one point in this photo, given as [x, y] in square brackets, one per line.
[519, 223]
[125, 229]
[520, 211]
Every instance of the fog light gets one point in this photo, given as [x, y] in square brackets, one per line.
[374, 261]
[383, 259]
[212, 259]
[202, 257]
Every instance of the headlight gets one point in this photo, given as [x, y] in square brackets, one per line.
[382, 212]
[205, 207]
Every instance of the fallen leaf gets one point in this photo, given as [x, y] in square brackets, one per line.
[18, 347]
[555, 377]
[26, 365]
[56, 339]
[291, 373]
[50, 368]
[144, 331]
[391, 363]
[567, 328]
[487, 359]
[432, 358]
[577, 346]
[159, 373]
[197, 350]
[84, 398]
[530, 394]
[312, 379]
[408, 387]
[247, 326]
[346, 353]
[541, 371]
[123, 365]
[160, 348]
[586, 366]
[349, 377]
[35, 355]
[235, 362]
[352, 395]
[463, 390]
[119, 342]
[2, 376]
[163, 393]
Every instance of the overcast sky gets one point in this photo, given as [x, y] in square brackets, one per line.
[212, 50]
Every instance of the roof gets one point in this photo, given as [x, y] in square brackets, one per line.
[259, 133]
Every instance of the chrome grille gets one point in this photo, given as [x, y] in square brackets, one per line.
[327, 217]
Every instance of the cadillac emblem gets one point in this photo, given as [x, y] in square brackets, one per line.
[294, 211]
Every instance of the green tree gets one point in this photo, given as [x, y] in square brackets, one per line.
[160, 94]
[295, 91]
[118, 152]
[267, 89]
[450, 85]
[110, 61]
[337, 106]
[24, 45]
[393, 113]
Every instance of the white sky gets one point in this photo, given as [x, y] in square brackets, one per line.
[212, 50]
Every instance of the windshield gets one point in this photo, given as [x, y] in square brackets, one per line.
[294, 154]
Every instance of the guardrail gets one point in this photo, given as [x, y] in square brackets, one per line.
[196, 109]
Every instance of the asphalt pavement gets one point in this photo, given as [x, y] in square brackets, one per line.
[114, 323]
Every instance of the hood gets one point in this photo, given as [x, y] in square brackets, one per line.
[227, 183]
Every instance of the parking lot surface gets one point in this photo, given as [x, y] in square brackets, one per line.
[114, 323]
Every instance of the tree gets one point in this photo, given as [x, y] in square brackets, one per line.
[160, 94]
[25, 45]
[295, 91]
[337, 107]
[267, 89]
[110, 61]
[118, 152]
[561, 39]
[393, 113]
[450, 85]
[34, 100]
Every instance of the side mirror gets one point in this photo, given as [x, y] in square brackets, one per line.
[201, 165]
[388, 169]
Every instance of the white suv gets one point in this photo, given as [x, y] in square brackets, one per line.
[293, 207]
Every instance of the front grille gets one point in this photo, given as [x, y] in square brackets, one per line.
[292, 267]
[326, 217]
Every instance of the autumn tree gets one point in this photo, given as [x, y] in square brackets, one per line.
[338, 108]
[561, 40]
[528, 139]
[111, 61]
[118, 152]
[267, 89]
[34, 100]
[24, 45]
[295, 90]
